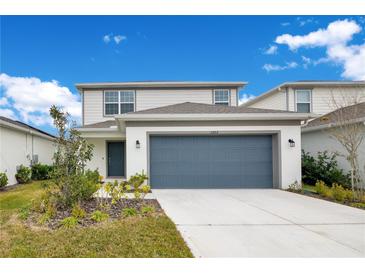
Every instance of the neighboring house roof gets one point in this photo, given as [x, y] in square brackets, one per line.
[305, 84]
[198, 108]
[158, 84]
[352, 114]
[17, 124]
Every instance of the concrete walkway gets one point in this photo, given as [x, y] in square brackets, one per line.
[263, 223]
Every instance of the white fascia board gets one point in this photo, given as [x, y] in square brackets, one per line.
[25, 130]
[215, 117]
[81, 86]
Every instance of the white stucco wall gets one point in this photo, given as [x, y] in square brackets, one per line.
[99, 159]
[17, 147]
[290, 158]
[322, 140]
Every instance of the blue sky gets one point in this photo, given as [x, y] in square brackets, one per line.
[46, 55]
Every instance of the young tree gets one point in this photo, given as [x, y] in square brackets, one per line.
[349, 131]
[70, 158]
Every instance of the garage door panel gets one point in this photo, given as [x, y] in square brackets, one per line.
[211, 161]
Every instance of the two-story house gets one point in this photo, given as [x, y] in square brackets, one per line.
[319, 97]
[189, 135]
[326, 99]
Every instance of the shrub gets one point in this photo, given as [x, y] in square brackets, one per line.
[71, 182]
[69, 222]
[147, 210]
[129, 212]
[322, 189]
[99, 216]
[3, 180]
[324, 168]
[137, 180]
[24, 212]
[349, 195]
[78, 212]
[295, 186]
[338, 193]
[23, 175]
[358, 205]
[41, 172]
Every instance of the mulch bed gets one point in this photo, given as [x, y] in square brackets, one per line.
[317, 196]
[113, 210]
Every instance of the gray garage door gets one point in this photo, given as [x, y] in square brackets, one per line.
[211, 161]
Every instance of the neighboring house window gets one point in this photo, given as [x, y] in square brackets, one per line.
[221, 97]
[303, 100]
[118, 102]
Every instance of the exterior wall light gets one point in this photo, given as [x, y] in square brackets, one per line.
[291, 143]
[138, 144]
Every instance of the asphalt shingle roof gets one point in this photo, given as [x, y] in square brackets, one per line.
[23, 125]
[105, 124]
[353, 112]
[197, 108]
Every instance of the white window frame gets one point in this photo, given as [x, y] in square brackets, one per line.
[308, 102]
[220, 102]
[119, 101]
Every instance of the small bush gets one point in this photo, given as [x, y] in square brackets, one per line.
[137, 180]
[325, 168]
[44, 218]
[146, 210]
[41, 172]
[24, 213]
[349, 195]
[99, 216]
[78, 212]
[129, 212]
[69, 222]
[23, 175]
[338, 193]
[322, 189]
[358, 205]
[295, 186]
[3, 180]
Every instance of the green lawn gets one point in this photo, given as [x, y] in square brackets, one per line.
[130, 237]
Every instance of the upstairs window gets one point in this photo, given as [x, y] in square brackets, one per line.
[303, 100]
[221, 97]
[118, 102]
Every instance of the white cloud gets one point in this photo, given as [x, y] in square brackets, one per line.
[335, 39]
[273, 49]
[116, 38]
[119, 38]
[106, 38]
[6, 112]
[271, 67]
[302, 21]
[245, 97]
[285, 24]
[4, 101]
[32, 98]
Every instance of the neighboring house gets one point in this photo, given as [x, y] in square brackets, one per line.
[316, 135]
[21, 144]
[310, 96]
[189, 135]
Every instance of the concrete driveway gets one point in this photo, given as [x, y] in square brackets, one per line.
[263, 223]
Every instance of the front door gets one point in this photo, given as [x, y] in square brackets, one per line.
[115, 159]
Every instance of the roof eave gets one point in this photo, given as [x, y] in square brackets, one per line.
[215, 117]
[82, 86]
